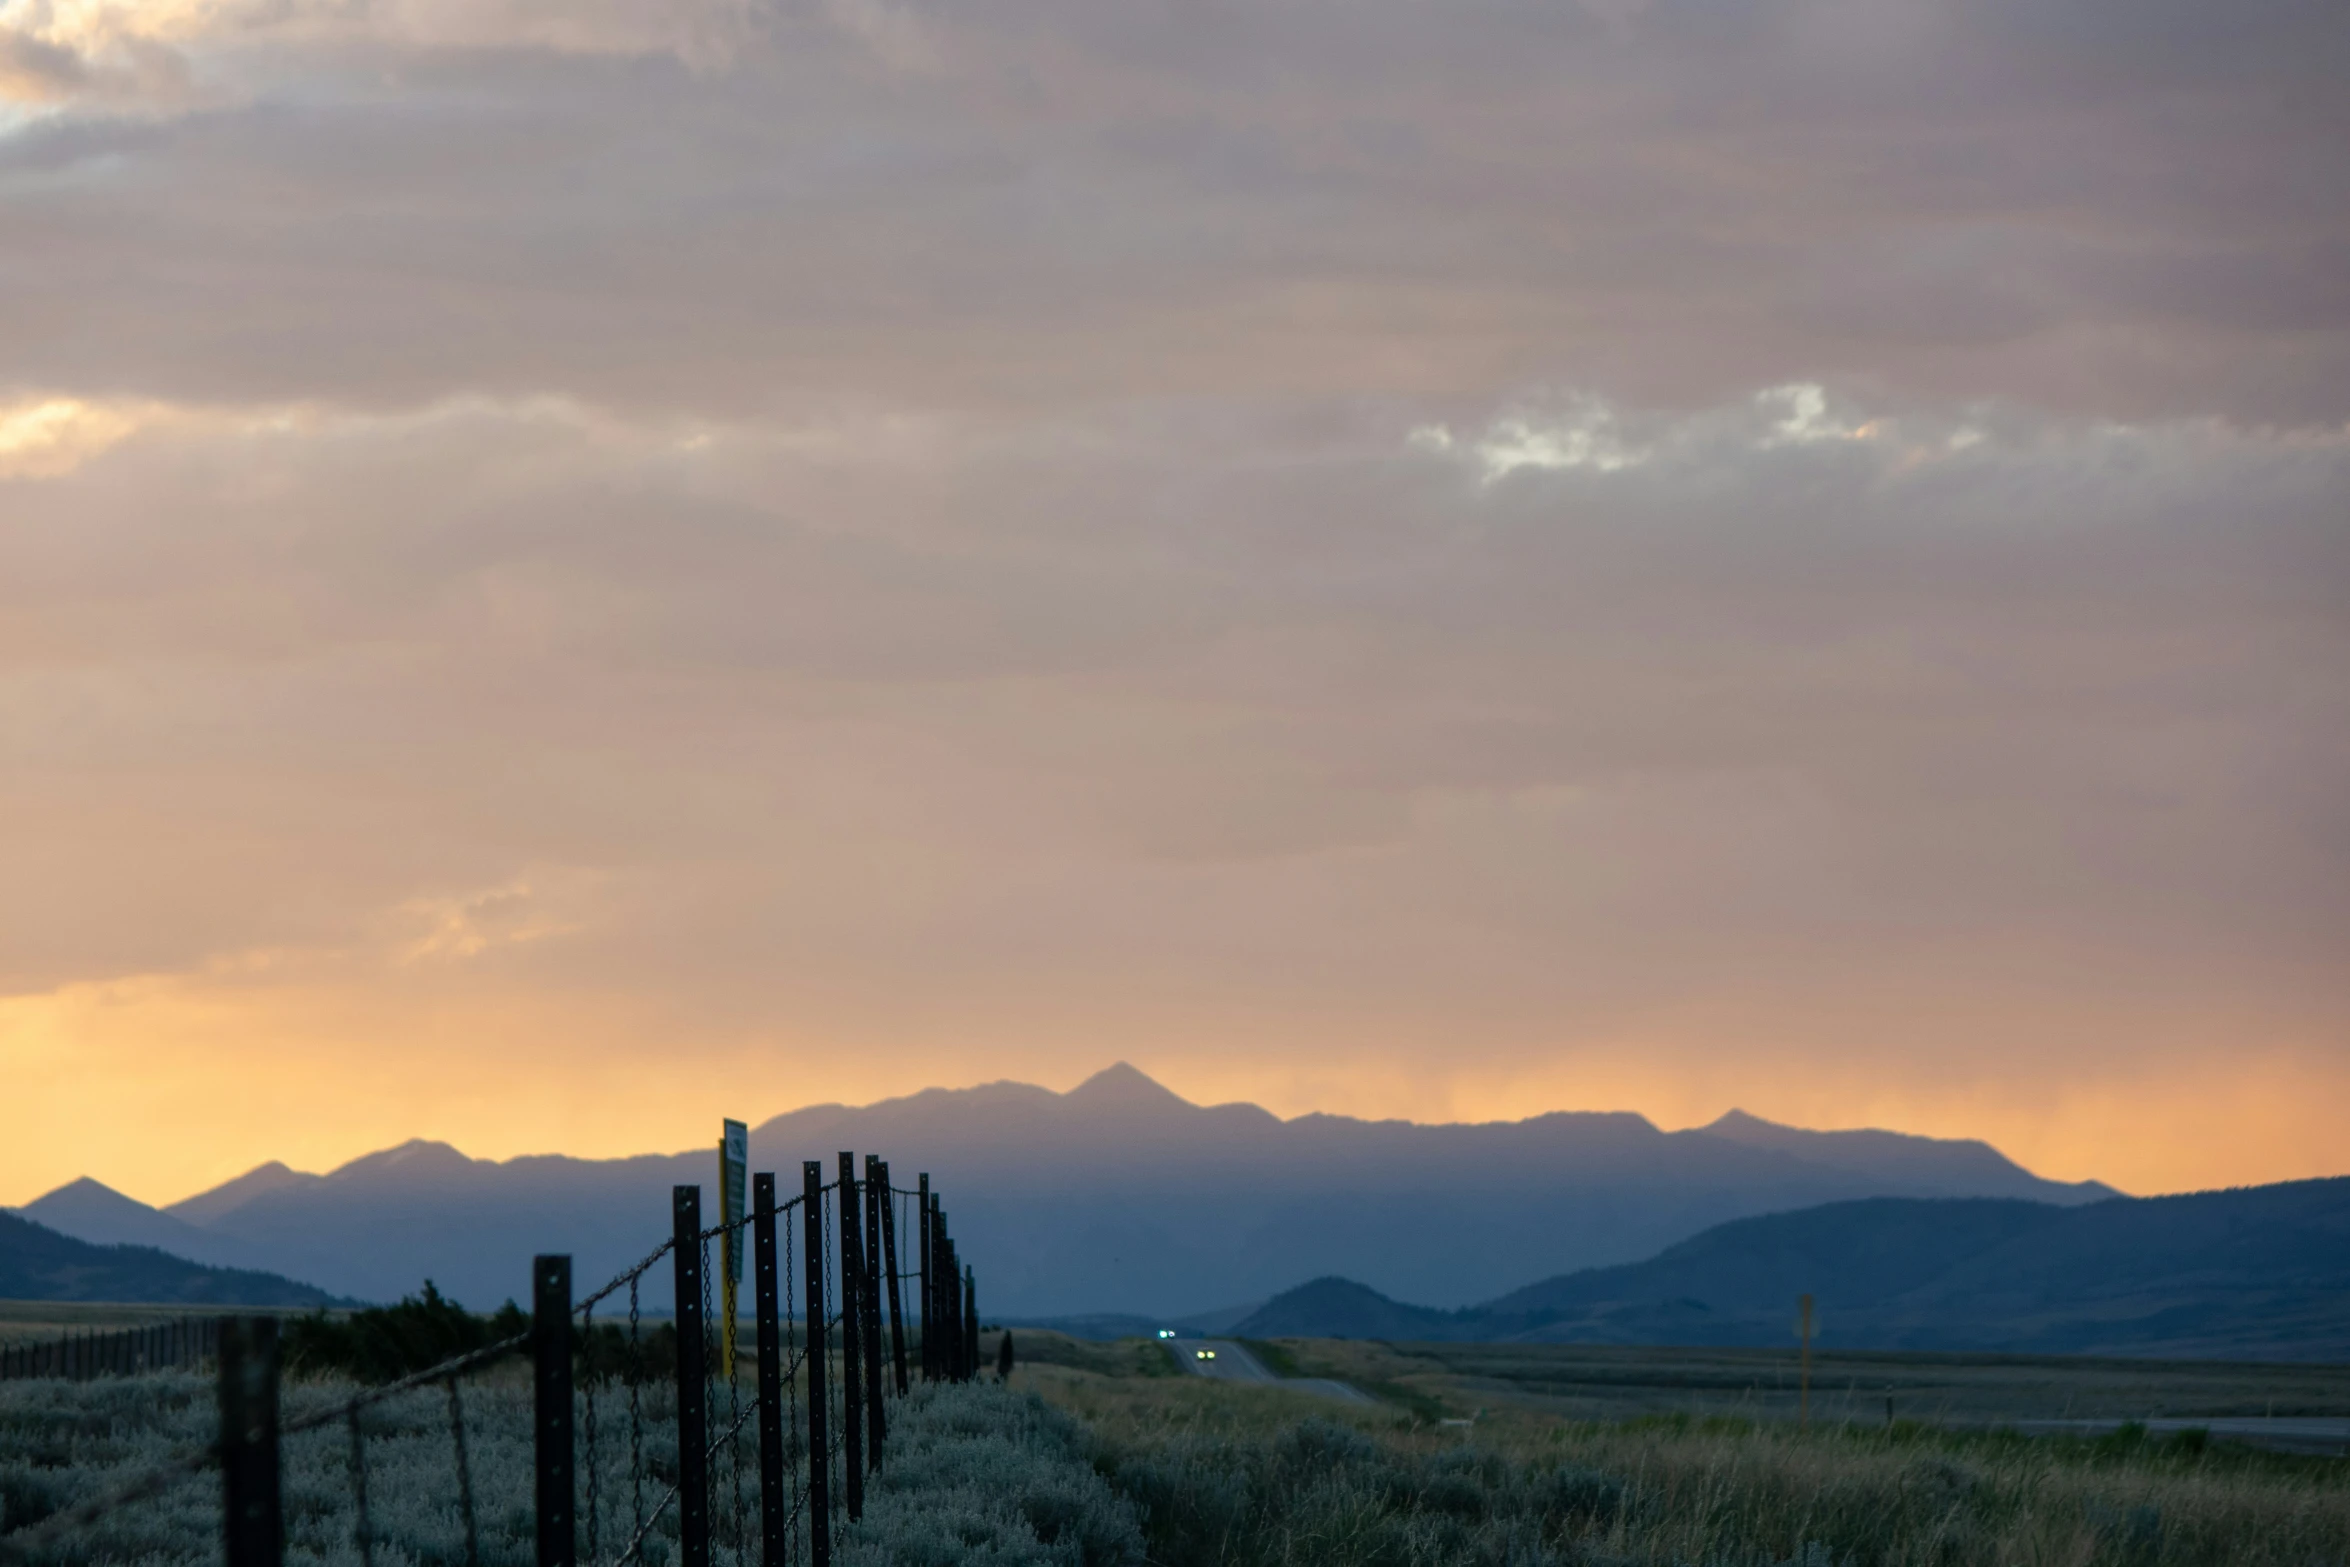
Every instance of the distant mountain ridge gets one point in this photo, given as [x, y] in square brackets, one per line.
[2251, 1272]
[1118, 1196]
[38, 1263]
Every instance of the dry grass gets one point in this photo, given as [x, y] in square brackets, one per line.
[1245, 1476]
[1617, 1382]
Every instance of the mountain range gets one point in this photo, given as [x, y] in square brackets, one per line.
[2259, 1272]
[1117, 1196]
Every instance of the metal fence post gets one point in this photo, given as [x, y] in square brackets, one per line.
[819, 1447]
[945, 1354]
[876, 1418]
[852, 1367]
[942, 1287]
[889, 1266]
[550, 1349]
[774, 1506]
[950, 1269]
[693, 1414]
[253, 1522]
[929, 1272]
[970, 1322]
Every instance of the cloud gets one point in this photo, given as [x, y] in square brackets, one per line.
[694, 207]
[1519, 525]
[701, 31]
[45, 438]
[1582, 437]
[1901, 680]
[34, 69]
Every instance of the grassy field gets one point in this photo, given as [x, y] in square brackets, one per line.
[1128, 1463]
[1238, 1476]
[1614, 1383]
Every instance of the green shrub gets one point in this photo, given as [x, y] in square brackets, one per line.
[385, 1343]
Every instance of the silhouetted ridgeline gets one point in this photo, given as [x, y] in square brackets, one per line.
[1116, 1197]
[37, 1263]
[2258, 1272]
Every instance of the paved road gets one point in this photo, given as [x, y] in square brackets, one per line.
[1225, 1361]
[2288, 1433]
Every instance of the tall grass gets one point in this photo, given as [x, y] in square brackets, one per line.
[979, 1476]
[1102, 1470]
[65, 1443]
[1251, 1478]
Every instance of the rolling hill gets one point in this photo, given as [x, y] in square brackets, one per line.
[38, 1263]
[2258, 1272]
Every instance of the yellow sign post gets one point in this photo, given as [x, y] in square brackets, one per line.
[734, 1163]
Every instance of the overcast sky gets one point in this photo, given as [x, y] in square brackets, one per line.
[573, 567]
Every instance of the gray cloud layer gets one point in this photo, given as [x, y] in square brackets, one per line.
[2115, 208]
[1162, 512]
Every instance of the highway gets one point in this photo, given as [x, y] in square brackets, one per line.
[1221, 1360]
[2285, 1434]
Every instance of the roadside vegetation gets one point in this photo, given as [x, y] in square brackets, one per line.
[1094, 1456]
[63, 1443]
[1240, 1476]
[982, 1476]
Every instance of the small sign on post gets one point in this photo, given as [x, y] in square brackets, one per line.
[734, 1174]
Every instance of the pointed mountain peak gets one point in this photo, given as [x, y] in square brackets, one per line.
[1123, 1087]
[207, 1206]
[1731, 1122]
[82, 1186]
[82, 1195]
[418, 1157]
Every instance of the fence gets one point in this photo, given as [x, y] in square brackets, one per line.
[829, 1357]
[155, 1346]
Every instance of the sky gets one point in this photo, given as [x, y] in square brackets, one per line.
[573, 567]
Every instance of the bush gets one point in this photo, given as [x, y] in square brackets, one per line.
[385, 1343]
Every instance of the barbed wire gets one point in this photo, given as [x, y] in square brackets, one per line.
[196, 1459]
[796, 1364]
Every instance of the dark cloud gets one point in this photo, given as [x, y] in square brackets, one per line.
[2129, 210]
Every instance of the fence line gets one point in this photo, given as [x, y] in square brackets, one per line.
[815, 1422]
[78, 1357]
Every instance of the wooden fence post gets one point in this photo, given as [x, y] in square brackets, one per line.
[693, 1422]
[852, 1352]
[774, 1506]
[819, 1445]
[550, 1335]
[253, 1523]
